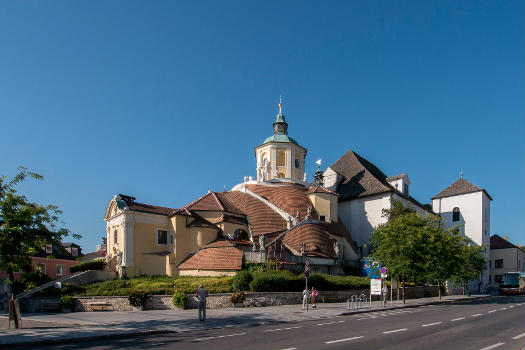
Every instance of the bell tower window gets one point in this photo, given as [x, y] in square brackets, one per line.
[455, 214]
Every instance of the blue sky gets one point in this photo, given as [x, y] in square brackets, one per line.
[166, 100]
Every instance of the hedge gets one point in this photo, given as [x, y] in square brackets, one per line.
[88, 265]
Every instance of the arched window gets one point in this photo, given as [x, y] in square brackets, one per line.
[240, 234]
[281, 158]
[455, 214]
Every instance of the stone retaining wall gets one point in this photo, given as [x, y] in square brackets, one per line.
[219, 300]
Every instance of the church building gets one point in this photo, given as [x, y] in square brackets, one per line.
[279, 216]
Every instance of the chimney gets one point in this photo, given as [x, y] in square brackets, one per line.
[506, 238]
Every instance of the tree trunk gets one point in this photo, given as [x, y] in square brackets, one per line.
[403, 277]
[439, 290]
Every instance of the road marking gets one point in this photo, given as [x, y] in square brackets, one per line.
[457, 319]
[492, 346]
[503, 308]
[364, 318]
[491, 311]
[322, 324]
[220, 336]
[431, 324]
[518, 336]
[281, 329]
[340, 340]
[290, 349]
[397, 330]
[476, 315]
[510, 307]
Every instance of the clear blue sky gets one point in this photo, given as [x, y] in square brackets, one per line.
[166, 100]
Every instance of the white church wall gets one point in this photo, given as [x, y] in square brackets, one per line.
[362, 215]
[474, 220]
[406, 202]
[331, 179]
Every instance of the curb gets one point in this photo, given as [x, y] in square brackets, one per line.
[407, 306]
[165, 331]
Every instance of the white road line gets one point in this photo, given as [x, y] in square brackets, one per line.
[492, 346]
[476, 315]
[510, 307]
[518, 336]
[503, 308]
[340, 340]
[431, 324]
[396, 330]
[281, 329]
[457, 319]
[491, 311]
[220, 336]
[322, 324]
[364, 318]
[290, 349]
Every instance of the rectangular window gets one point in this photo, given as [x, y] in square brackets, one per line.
[74, 251]
[61, 270]
[405, 189]
[115, 237]
[162, 237]
[498, 264]
[49, 248]
[322, 218]
[498, 278]
[40, 268]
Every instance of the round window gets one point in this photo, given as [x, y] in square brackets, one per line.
[297, 163]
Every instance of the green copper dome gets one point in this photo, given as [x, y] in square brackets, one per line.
[280, 138]
[280, 118]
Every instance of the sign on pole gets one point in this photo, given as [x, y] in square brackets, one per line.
[306, 262]
[375, 286]
[383, 270]
[307, 273]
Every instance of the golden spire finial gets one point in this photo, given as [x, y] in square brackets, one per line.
[280, 104]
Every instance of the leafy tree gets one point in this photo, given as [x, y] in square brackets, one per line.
[25, 227]
[397, 243]
[472, 262]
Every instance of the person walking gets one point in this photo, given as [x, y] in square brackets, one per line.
[306, 295]
[313, 295]
[201, 294]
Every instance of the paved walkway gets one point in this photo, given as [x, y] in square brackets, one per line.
[76, 326]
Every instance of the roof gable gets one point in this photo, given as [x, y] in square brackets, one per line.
[361, 177]
[496, 242]
[461, 186]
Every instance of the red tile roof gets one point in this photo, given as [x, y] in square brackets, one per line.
[290, 198]
[261, 217]
[150, 208]
[316, 237]
[218, 255]
[319, 189]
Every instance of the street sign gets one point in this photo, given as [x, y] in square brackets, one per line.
[383, 270]
[375, 286]
[307, 268]
[307, 273]
[384, 275]
[306, 262]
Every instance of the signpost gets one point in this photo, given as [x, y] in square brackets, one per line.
[306, 275]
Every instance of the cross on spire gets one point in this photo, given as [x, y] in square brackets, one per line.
[280, 104]
[461, 174]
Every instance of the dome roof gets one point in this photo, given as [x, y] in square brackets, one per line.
[280, 138]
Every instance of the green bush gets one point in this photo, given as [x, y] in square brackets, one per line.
[242, 280]
[88, 265]
[33, 279]
[272, 281]
[179, 299]
[137, 299]
[66, 302]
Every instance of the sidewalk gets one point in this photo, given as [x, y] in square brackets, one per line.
[81, 326]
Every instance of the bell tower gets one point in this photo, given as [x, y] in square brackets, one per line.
[280, 156]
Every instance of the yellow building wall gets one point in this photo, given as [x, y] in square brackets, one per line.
[145, 241]
[325, 204]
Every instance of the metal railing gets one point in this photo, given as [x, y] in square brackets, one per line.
[47, 285]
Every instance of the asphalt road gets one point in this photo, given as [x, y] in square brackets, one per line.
[484, 324]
